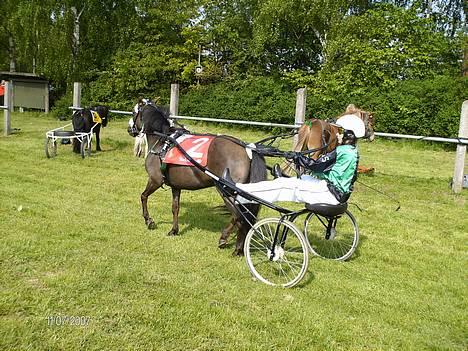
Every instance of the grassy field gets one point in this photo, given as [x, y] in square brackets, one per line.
[73, 244]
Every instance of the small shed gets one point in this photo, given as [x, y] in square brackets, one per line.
[29, 90]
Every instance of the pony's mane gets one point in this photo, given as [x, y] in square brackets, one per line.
[155, 119]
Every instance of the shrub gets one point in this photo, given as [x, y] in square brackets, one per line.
[262, 99]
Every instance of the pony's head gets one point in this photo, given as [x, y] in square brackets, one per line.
[80, 120]
[103, 112]
[366, 116]
[149, 119]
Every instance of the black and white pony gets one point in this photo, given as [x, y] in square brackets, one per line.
[85, 119]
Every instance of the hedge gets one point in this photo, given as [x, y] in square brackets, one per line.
[428, 107]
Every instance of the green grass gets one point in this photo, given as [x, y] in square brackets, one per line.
[73, 243]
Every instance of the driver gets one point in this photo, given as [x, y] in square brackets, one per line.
[331, 176]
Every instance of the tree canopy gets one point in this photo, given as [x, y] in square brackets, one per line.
[122, 49]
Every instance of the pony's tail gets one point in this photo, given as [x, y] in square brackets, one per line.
[257, 168]
[258, 173]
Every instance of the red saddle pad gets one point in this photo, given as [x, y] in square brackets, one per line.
[196, 146]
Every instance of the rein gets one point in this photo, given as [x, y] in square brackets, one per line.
[269, 150]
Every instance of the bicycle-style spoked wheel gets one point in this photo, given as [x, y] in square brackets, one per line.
[285, 264]
[50, 147]
[335, 240]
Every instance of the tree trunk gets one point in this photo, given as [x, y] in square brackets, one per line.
[12, 53]
[76, 36]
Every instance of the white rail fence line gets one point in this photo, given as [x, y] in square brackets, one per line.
[462, 140]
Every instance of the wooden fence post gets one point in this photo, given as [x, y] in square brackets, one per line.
[457, 183]
[174, 104]
[8, 103]
[46, 98]
[301, 99]
[77, 94]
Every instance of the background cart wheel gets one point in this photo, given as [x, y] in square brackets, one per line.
[290, 258]
[86, 147]
[50, 147]
[332, 238]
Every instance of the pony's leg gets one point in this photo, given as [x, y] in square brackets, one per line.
[98, 146]
[151, 187]
[226, 233]
[175, 212]
[241, 235]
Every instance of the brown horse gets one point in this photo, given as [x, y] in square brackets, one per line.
[321, 135]
[224, 152]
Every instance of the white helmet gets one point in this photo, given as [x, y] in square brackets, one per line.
[354, 123]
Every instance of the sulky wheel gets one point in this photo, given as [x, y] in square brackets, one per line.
[286, 264]
[50, 147]
[332, 238]
[86, 147]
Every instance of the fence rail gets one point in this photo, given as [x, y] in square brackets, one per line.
[463, 141]
[301, 97]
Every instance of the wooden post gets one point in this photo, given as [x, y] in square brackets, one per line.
[76, 94]
[457, 183]
[301, 99]
[8, 102]
[174, 104]
[46, 98]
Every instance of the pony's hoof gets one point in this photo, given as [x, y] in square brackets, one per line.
[173, 232]
[222, 243]
[238, 252]
[151, 225]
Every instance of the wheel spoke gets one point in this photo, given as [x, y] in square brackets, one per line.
[284, 264]
[342, 241]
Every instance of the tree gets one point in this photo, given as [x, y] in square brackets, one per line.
[164, 50]
[384, 45]
[291, 35]
[227, 35]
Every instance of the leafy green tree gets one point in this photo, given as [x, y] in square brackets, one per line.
[292, 34]
[228, 34]
[164, 50]
[382, 46]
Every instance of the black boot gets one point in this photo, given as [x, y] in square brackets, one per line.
[276, 171]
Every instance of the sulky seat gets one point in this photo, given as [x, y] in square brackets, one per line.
[327, 210]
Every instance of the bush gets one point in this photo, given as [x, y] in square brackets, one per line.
[429, 107]
[261, 99]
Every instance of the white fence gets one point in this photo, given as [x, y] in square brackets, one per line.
[301, 97]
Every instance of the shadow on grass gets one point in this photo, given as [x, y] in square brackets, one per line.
[202, 216]
[198, 215]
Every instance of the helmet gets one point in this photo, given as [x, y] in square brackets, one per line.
[353, 123]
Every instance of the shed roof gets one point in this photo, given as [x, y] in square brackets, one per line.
[20, 76]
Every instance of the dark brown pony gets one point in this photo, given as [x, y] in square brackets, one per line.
[224, 152]
[319, 134]
[82, 121]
